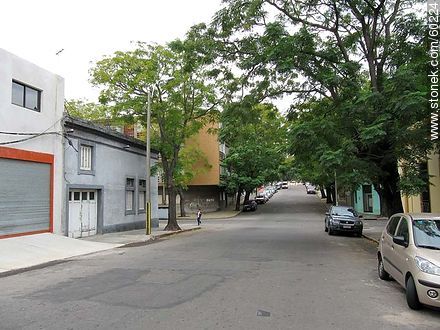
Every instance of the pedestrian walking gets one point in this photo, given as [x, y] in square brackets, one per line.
[199, 217]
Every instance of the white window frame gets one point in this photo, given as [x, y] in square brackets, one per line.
[130, 189]
[86, 161]
[142, 191]
[86, 158]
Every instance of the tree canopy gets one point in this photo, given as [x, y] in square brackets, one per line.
[357, 70]
[256, 139]
[184, 98]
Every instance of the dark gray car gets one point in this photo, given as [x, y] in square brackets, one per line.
[343, 219]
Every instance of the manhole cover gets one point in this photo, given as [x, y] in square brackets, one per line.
[263, 313]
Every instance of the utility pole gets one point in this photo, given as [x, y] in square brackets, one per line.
[336, 191]
[148, 168]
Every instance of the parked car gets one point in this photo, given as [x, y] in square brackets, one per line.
[261, 199]
[343, 219]
[279, 185]
[284, 185]
[409, 252]
[310, 189]
[250, 205]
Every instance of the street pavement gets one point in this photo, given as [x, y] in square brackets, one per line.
[35, 251]
[27, 252]
[275, 268]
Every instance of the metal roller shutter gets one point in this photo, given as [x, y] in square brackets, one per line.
[24, 196]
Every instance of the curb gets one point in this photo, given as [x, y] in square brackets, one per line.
[155, 238]
[371, 239]
[207, 218]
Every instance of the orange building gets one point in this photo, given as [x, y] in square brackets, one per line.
[203, 191]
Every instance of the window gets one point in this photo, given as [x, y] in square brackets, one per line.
[392, 225]
[129, 196]
[142, 195]
[26, 96]
[403, 230]
[86, 158]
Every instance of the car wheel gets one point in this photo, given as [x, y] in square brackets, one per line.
[330, 231]
[411, 294]
[383, 274]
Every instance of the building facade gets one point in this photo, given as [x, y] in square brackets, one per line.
[31, 151]
[366, 200]
[105, 175]
[429, 200]
[204, 190]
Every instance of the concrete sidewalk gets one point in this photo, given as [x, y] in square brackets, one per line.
[226, 214]
[373, 228]
[35, 251]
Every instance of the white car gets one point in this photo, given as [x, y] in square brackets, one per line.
[409, 252]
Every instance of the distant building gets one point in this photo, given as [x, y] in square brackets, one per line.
[31, 148]
[366, 200]
[429, 199]
[204, 190]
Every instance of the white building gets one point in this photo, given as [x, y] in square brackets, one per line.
[31, 148]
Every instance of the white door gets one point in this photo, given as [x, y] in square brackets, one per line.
[82, 213]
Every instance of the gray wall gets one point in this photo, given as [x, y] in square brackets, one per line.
[113, 163]
[205, 197]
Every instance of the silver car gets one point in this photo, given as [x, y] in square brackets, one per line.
[409, 252]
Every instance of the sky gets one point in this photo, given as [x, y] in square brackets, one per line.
[86, 30]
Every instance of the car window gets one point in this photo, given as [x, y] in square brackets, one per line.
[392, 225]
[427, 233]
[403, 229]
[343, 211]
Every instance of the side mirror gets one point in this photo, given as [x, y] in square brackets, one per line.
[327, 213]
[400, 240]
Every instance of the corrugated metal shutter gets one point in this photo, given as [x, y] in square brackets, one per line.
[24, 196]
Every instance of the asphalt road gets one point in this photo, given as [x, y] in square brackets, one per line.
[270, 269]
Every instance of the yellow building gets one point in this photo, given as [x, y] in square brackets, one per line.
[428, 201]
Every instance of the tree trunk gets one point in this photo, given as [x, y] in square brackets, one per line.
[246, 196]
[389, 193]
[172, 219]
[333, 193]
[182, 203]
[237, 202]
[323, 195]
[329, 195]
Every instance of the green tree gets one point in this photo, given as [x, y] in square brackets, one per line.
[97, 113]
[184, 98]
[254, 135]
[355, 58]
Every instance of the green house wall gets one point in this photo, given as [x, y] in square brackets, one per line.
[359, 203]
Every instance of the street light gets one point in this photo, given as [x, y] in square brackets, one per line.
[148, 167]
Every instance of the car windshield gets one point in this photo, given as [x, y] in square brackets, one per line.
[344, 211]
[427, 233]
